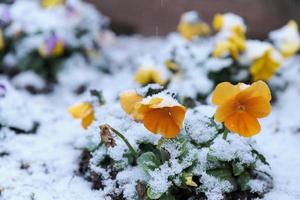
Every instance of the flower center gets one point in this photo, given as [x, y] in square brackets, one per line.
[241, 107]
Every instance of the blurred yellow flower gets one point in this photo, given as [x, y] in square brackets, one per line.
[147, 75]
[239, 106]
[2, 42]
[162, 115]
[83, 111]
[233, 46]
[52, 3]
[264, 67]
[128, 100]
[218, 22]
[291, 46]
[191, 30]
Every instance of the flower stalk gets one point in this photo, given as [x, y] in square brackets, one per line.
[225, 134]
[133, 152]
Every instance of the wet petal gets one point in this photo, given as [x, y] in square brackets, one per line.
[223, 92]
[225, 110]
[256, 89]
[80, 110]
[87, 120]
[243, 123]
[159, 121]
[178, 114]
[128, 101]
[258, 107]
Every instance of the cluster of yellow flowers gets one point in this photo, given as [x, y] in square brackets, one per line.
[231, 40]
[235, 41]
[238, 107]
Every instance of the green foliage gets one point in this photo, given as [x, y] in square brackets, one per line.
[148, 161]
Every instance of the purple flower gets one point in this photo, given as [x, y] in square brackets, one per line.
[53, 46]
[5, 16]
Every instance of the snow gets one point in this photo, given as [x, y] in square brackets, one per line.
[43, 164]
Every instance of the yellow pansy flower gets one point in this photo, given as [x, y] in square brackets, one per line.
[240, 105]
[234, 45]
[162, 115]
[191, 30]
[147, 75]
[52, 3]
[218, 22]
[83, 111]
[264, 67]
[290, 47]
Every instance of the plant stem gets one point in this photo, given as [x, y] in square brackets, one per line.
[226, 131]
[133, 152]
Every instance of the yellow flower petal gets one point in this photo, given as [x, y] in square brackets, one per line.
[160, 121]
[52, 3]
[243, 123]
[87, 120]
[190, 30]
[225, 110]
[80, 110]
[264, 67]
[257, 89]
[147, 75]
[128, 101]
[223, 92]
[258, 107]
[218, 22]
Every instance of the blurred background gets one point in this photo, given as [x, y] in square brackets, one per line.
[159, 17]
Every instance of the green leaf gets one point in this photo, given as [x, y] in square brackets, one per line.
[98, 95]
[153, 195]
[148, 161]
[260, 157]
[222, 174]
[212, 158]
[243, 180]
[237, 169]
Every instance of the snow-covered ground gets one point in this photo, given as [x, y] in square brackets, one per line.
[43, 165]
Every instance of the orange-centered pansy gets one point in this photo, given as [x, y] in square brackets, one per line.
[83, 111]
[240, 105]
[162, 114]
[128, 100]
